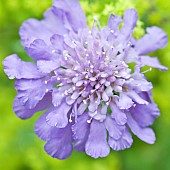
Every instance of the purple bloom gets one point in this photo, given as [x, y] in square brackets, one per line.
[82, 78]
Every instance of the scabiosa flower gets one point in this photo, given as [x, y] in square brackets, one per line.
[81, 77]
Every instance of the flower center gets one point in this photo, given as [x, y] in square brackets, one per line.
[92, 71]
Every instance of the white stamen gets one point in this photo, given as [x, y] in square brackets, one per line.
[116, 72]
[86, 42]
[58, 78]
[87, 55]
[97, 21]
[70, 120]
[91, 66]
[89, 121]
[74, 88]
[46, 82]
[107, 103]
[76, 74]
[66, 92]
[103, 53]
[84, 101]
[134, 105]
[46, 90]
[86, 76]
[111, 31]
[97, 52]
[53, 51]
[91, 70]
[96, 101]
[92, 91]
[66, 58]
[111, 47]
[90, 32]
[55, 124]
[150, 69]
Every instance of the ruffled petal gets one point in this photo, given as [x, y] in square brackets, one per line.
[118, 115]
[14, 67]
[71, 9]
[23, 113]
[80, 132]
[42, 129]
[33, 29]
[132, 94]
[130, 20]
[152, 62]
[124, 102]
[96, 145]
[139, 83]
[57, 97]
[145, 114]
[39, 50]
[115, 130]
[145, 134]
[123, 143]
[114, 22]
[154, 39]
[57, 41]
[58, 116]
[60, 145]
[45, 66]
[31, 91]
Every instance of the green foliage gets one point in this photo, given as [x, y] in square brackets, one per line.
[19, 147]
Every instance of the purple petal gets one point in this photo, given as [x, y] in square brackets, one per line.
[45, 66]
[114, 22]
[118, 115]
[152, 62]
[145, 114]
[57, 97]
[23, 113]
[33, 29]
[153, 40]
[130, 19]
[15, 68]
[80, 132]
[139, 83]
[124, 102]
[145, 134]
[93, 106]
[42, 129]
[39, 50]
[60, 146]
[31, 91]
[123, 143]
[115, 130]
[57, 41]
[96, 145]
[71, 9]
[82, 108]
[132, 94]
[58, 117]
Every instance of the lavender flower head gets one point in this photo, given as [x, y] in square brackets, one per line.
[81, 77]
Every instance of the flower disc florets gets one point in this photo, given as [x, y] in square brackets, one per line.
[83, 79]
[93, 75]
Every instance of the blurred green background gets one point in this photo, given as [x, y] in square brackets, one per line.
[21, 149]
